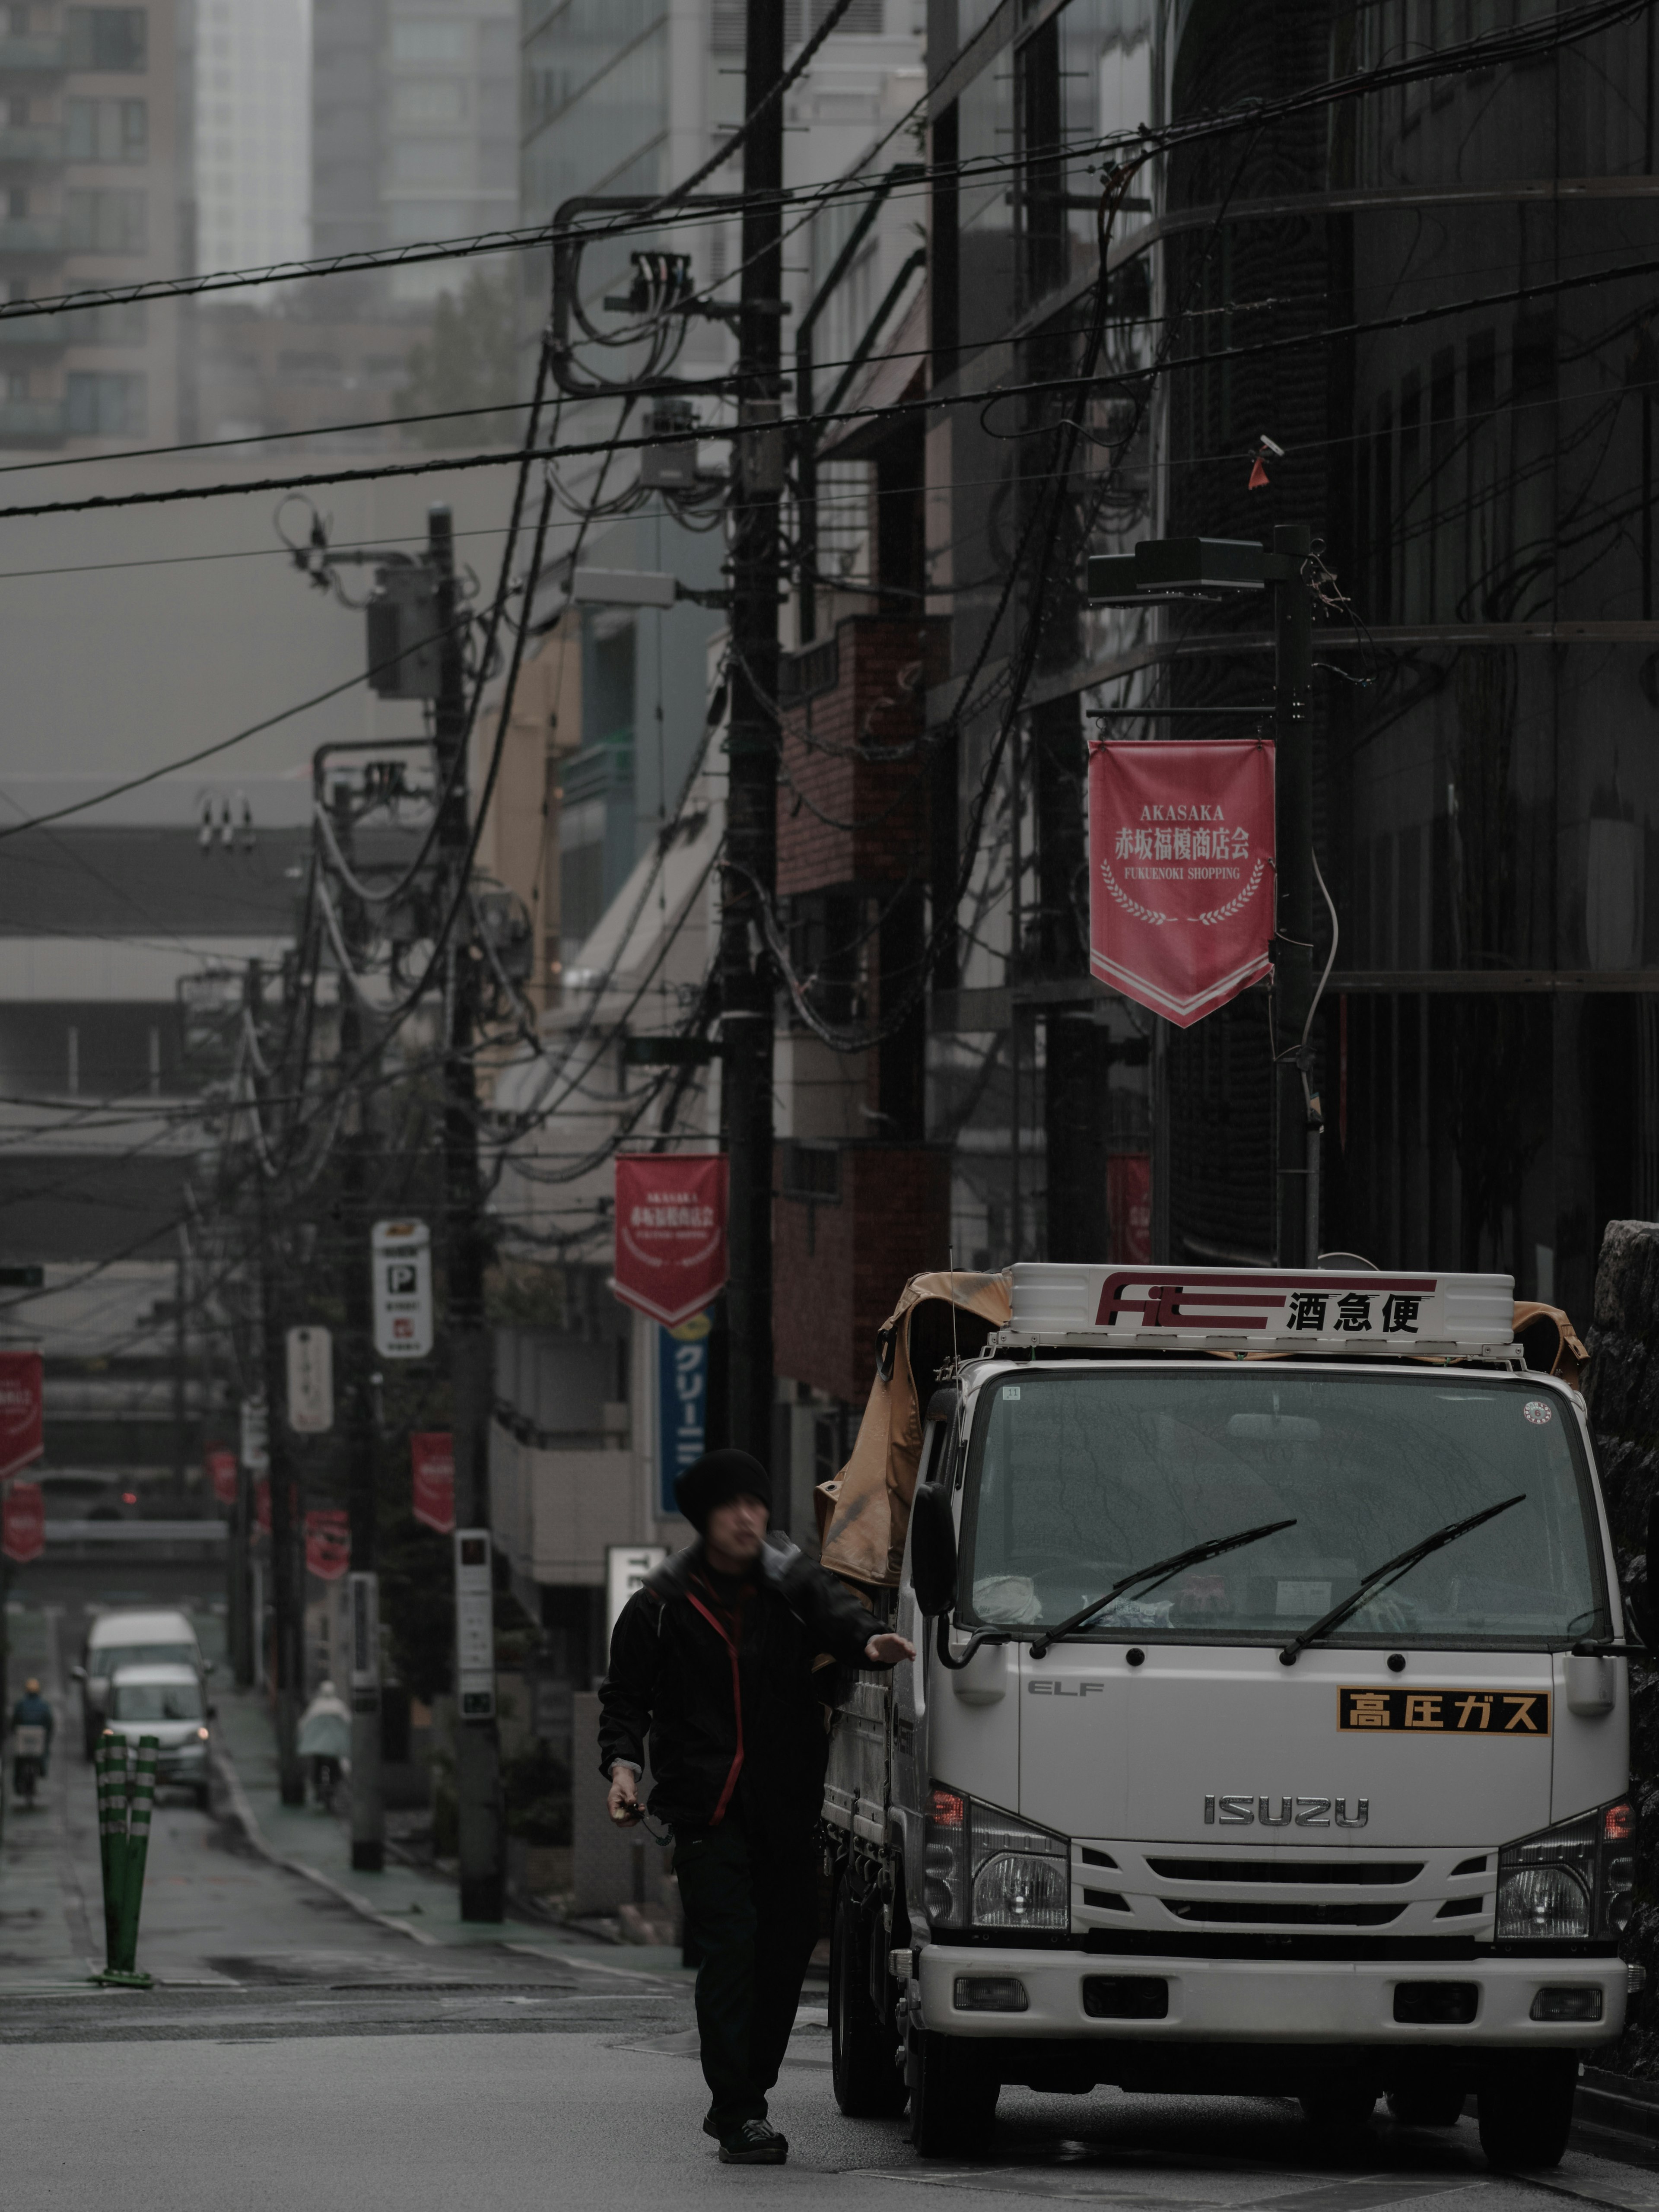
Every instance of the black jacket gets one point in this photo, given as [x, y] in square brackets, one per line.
[724, 1726]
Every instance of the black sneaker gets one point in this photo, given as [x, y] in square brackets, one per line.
[711, 2126]
[757, 2142]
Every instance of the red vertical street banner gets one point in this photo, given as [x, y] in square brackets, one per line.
[23, 1521]
[670, 1233]
[21, 1438]
[1129, 1205]
[328, 1542]
[432, 1462]
[1181, 870]
[222, 1473]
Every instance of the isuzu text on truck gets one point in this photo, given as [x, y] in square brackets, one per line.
[1268, 1733]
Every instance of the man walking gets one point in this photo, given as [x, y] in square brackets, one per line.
[713, 1660]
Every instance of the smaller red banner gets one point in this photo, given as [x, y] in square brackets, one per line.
[328, 1542]
[23, 1522]
[20, 1438]
[1181, 870]
[1129, 1205]
[262, 1504]
[432, 1460]
[670, 1233]
[222, 1468]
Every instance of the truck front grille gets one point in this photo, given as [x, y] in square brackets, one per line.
[1298, 1871]
[1282, 1914]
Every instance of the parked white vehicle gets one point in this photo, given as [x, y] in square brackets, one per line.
[131, 1638]
[1268, 1730]
[166, 1702]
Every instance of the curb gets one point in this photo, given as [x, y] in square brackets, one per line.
[248, 1821]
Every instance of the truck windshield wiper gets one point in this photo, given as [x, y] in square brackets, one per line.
[1390, 1571]
[1160, 1570]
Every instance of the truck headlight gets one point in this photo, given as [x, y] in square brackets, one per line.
[984, 1868]
[1570, 1882]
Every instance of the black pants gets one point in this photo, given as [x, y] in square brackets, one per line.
[751, 1910]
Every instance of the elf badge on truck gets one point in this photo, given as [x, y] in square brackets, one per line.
[1269, 1728]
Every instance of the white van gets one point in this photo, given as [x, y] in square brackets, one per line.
[131, 1639]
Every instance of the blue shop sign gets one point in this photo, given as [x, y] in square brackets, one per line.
[682, 1400]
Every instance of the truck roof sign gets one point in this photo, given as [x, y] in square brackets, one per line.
[1261, 1310]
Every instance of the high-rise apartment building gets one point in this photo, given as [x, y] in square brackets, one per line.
[95, 184]
[252, 84]
[414, 127]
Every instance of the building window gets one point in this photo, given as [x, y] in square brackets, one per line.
[108, 38]
[125, 322]
[17, 108]
[17, 384]
[418, 39]
[429, 99]
[17, 21]
[17, 203]
[106, 129]
[98, 221]
[105, 406]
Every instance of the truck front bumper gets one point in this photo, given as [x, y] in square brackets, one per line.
[1257, 2001]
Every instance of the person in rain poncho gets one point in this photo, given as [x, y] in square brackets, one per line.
[325, 1740]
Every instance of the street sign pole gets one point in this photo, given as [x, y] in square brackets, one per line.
[1296, 1118]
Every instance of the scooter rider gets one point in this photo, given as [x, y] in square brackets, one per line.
[30, 1711]
[713, 1659]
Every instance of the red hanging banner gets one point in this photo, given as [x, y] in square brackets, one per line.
[23, 1521]
[432, 1462]
[1181, 870]
[262, 1504]
[328, 1542]
[222, 1473]
[670, 1233]
[20, 1438]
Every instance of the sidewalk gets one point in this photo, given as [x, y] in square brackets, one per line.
[412, 1902]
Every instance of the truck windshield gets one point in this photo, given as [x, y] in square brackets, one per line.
[1074, 1478]
[109, 1658]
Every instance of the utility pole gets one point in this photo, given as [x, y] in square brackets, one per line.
[367, 1793]
[284, 1580]
[1170, 567]
[1296, 1119]
[750, 873]
[477, 1743]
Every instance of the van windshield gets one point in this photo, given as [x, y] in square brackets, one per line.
[107, 1658]
[1075, 1479]
[155, 1701]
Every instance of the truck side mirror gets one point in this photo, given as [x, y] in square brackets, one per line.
[932, 1550]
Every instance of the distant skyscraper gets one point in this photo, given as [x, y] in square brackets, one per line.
[252, 131]
[415, 127]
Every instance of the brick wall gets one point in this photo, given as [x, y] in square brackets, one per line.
[838, 1268]
[884, 668]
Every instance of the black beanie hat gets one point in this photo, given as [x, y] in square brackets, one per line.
[715, 1479]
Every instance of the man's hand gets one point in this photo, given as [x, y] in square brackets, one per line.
[624, 1802]
[887, 1651]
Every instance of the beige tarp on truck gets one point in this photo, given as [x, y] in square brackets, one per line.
[863, 1514]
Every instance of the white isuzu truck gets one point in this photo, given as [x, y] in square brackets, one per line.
[1267, 1734]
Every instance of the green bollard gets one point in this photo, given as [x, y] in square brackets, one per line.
[124, 1810]
[138, 1813]
[111, 1769]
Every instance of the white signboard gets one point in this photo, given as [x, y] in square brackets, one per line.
[474, 1627]
[626, 1566]
[403, 1289]
[364, 1600]
[256, 1453]
[310, 1381]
